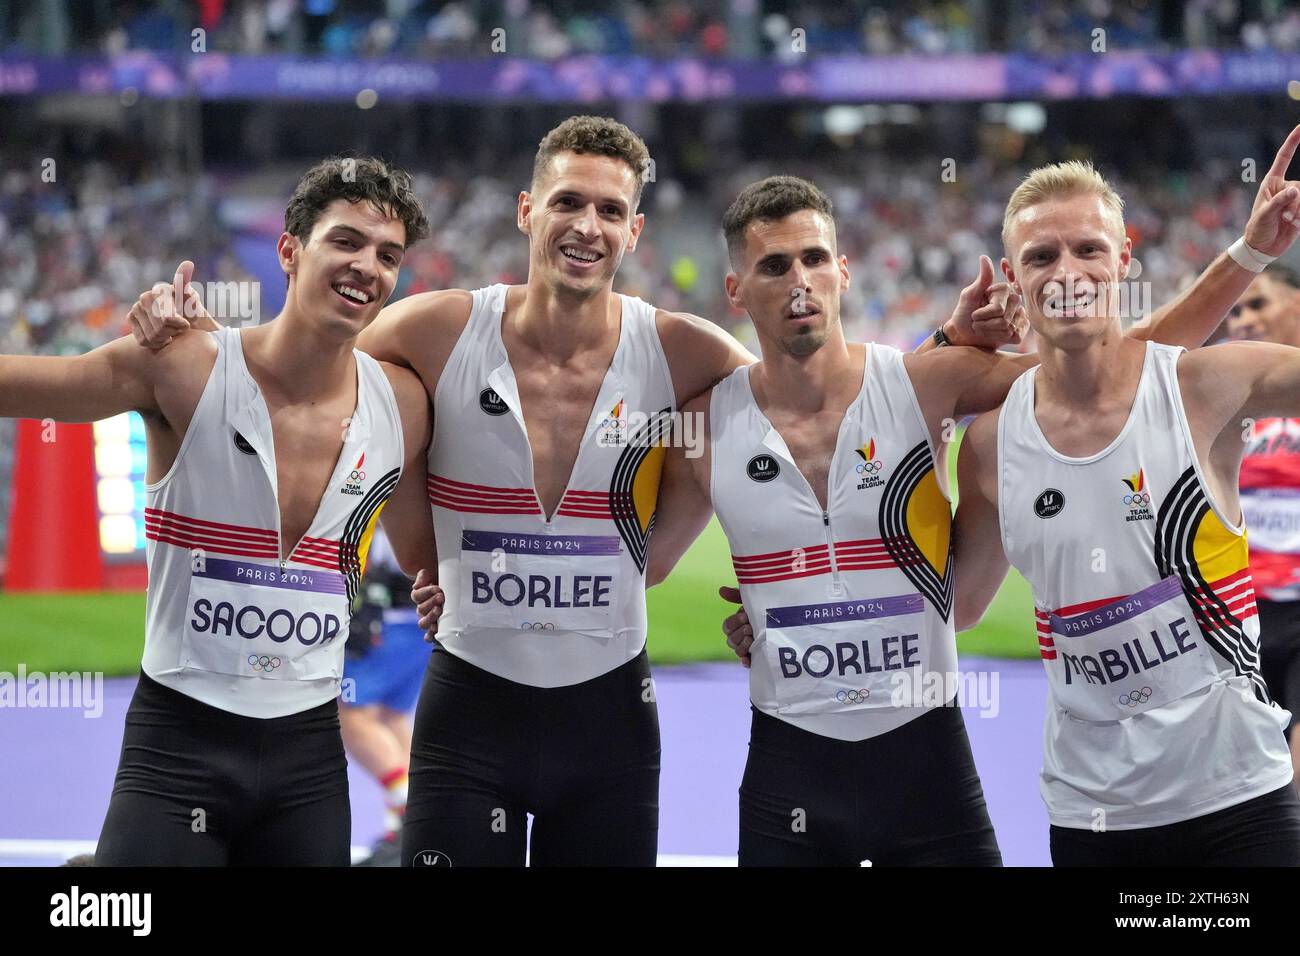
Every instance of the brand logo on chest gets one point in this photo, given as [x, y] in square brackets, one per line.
[491, 402]
[242, 444]
[762, 468]
[868, 467]
[1049, 504]
[352, 484]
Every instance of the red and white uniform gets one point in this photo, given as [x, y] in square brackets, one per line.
[1270, 499]
[546, 600]
[227, 621]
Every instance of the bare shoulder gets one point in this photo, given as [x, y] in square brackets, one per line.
[700, 353]
[420, 330]
[684, 332]
[1218, 371]
[182, 367]
[179, 373]
[1226, 357]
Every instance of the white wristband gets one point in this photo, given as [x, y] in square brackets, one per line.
[1252, 260]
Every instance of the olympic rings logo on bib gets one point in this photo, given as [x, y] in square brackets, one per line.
[263, 662]
[852, 696]
[537, 626]
[1135, 697]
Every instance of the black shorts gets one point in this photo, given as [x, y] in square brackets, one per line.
[200, 786]
[909, 797]
[582, 759]
[1264, 831]
[1279, 653]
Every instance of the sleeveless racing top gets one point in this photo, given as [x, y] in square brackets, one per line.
[1270, 498]
[851, 606]
[228, 622]
[536, 599]
[1147, 625]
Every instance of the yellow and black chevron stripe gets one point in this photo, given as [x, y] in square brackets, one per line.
[1208, 558]
[360, 529]
[916, 525]
[634, 486]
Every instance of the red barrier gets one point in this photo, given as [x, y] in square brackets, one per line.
[54, 523]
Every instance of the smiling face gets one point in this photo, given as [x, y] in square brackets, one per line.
[1268, 311]
[789, 279]
[346, 270]
[1066, 256]
[580, 220]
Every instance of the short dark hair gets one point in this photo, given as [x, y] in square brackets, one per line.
[599, 135]
[770, 199]
[363, 179]
[1287, 275]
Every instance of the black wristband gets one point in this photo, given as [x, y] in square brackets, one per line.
[940, 338]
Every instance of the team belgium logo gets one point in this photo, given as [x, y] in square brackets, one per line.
[352, 484]
[1138, 498]
[612, 432]
[868, 466]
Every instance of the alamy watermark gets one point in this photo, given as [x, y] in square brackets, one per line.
[977, 690]
[58, 689]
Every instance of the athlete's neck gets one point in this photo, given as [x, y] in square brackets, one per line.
[294, 358]
[813, 383]
[1091, 376]
[559, 326]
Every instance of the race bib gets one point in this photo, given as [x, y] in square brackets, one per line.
[1273, 519]
[539, 582]
[844, 656]
[1132, 655]
[255, 620]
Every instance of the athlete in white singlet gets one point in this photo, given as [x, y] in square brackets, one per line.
[541, 481]
[1269, 311]
[825, 464]
[1109, 479]
[272, 451]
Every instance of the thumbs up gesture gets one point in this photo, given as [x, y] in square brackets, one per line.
[988, 314]
[167, 310]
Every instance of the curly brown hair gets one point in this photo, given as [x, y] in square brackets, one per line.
[357, 179]
[599, 135]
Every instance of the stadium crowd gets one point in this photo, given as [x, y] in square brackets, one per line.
[664, 28]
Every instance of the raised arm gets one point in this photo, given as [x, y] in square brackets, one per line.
[684, 505]
[112, 379]
[1274, 223]
[979, 563]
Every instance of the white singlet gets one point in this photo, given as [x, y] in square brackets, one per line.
[1146, 618]
[852, 606]
[537, 600]
[228, 622]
